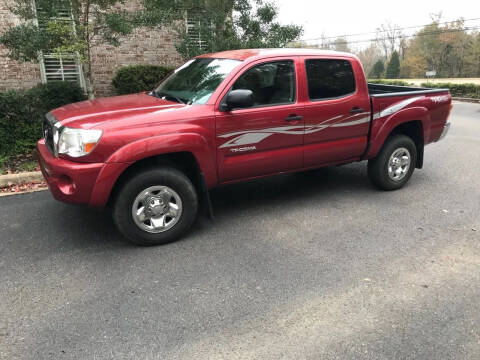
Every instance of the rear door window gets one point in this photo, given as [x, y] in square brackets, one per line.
[329, 78]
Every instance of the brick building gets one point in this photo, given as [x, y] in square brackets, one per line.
[143, 46]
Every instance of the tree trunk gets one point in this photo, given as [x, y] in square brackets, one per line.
[88, 74]
[88, 63]
[89, 84]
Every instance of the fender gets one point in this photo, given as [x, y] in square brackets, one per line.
[106, 179]
[382, 128]
[149, 147]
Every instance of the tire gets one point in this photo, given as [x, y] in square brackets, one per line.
[161, 193]
[394, 153]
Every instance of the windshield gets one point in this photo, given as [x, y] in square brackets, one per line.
[196, 80]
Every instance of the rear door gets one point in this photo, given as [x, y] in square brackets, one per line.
[268, 137]
[337, 111]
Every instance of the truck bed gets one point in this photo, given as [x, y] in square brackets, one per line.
[381, 90]
[392, 105]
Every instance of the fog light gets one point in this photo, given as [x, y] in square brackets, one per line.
[66, 185]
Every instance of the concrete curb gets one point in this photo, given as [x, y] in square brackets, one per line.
[22, 192]
[466, 99]
[14, 179]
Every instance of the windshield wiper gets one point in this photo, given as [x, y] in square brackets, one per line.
[166, 96]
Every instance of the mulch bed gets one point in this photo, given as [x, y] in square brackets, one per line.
[28, 186]
[20, 163]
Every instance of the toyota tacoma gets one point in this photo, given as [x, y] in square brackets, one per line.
[227, 117]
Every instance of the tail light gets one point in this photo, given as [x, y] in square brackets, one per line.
[449, 110]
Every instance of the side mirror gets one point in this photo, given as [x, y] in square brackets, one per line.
[239, 99]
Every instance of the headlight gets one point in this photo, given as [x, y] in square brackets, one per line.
[77, 142]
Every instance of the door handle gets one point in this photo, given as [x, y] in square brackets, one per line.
[293, 117]
[356, 110]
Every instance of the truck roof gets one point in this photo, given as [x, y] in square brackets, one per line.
[245, 54]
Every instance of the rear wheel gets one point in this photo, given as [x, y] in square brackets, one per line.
[394, 165]
[156, 206]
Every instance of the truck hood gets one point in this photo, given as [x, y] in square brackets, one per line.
[94, 113]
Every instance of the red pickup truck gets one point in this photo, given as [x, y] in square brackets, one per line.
[227, 117]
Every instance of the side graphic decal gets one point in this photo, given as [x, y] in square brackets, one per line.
[396, 107]
[255, 136]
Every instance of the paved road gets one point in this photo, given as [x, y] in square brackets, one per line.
[317, 265]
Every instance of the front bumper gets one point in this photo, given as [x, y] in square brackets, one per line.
[68, 181]
[444, 133]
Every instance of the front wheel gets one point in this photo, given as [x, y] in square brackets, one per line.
[394, 165]
[156, 206]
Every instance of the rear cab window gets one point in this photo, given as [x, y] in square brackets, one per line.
[329, 78]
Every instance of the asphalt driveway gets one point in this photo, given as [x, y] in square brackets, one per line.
[315, 265]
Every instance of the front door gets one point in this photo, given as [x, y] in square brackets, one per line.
[266, 138]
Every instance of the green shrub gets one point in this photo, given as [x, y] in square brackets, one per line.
[458, 90]
[55, 94]
[390, 82]
[137, 78]
[22, 114]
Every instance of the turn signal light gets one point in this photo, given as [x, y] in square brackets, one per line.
[88, 147]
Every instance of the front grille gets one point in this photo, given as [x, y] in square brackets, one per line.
[48, 129]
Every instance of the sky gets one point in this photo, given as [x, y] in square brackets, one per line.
[340, 17]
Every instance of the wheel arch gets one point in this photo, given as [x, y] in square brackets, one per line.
[183, 161]
[189, 152]
[415, 129]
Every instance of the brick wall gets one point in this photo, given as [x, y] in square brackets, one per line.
[144, 46]
[14, 74]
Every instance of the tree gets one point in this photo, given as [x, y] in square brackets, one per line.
[324, 43]
[446, 49]
[451, 49]
[377, 70]
[92, 22]
[393, 67]
[369, 56]
[387, 37]
[298, 44]
[414, 65]
[236, 24]
[341, 44]
[472, 58]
